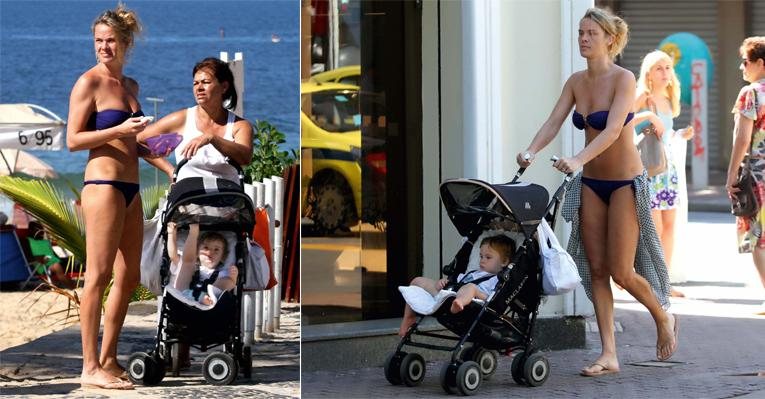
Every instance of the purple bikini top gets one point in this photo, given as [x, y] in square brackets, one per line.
[597, 120]
[110, 117]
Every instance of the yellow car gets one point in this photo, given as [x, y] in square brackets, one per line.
[330, 144]
[350, 74]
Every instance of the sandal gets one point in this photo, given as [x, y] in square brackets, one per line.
[597, 373]
[118, 385]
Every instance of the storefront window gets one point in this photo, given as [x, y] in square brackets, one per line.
[353, 244]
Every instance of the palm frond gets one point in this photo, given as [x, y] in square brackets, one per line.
[52, 208]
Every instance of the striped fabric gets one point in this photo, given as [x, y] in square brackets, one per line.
[649, 259]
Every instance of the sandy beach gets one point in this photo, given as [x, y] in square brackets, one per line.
[28, 315]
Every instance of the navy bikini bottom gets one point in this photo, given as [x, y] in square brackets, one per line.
[128, 190]
[604, 188]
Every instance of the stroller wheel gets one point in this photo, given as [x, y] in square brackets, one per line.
[516, 369]
[536, 369]
[392, 367]
[486, 359]
[468, 378]
[412, 369]
[246, 362]
[220, 368]
[449, 378]
[145, 369]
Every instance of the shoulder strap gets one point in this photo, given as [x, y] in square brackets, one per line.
[756, 116]
[230, 125]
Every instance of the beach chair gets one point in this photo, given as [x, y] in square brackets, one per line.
[13, 262]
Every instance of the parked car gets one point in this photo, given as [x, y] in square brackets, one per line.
[330, 122]
[350, 74]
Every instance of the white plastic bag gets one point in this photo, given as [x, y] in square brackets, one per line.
[559, 273]
[151, 252]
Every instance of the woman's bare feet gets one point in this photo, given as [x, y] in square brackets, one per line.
[103, 380]
[605, 364]
[666, 342]
[406, 323]
[114, 368]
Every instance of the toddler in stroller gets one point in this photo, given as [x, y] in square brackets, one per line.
[504, 322]
[495, 253]
[200, 273]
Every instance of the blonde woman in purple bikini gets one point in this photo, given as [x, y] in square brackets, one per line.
[612, 233]
[104, 118]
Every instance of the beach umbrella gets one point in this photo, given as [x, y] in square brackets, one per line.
[30, 127]
[13, 161]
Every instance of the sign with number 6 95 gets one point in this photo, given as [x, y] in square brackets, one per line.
[44, 138]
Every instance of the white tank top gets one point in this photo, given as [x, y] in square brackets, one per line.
[208, 161]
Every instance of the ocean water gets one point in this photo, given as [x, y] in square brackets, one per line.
[46, 45]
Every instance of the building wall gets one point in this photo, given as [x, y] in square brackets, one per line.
[502, 66]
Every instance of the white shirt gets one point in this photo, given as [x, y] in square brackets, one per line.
[208, 161]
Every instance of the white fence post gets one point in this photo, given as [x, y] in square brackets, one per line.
[259, 303]
[274, 300]
[279, 222]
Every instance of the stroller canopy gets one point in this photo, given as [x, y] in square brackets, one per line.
[474, 203]
[210, 201]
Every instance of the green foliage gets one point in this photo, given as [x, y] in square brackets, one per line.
[63, 221]
[52, 208]
[267, 159]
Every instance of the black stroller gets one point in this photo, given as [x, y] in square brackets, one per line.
[505, 322]
[220, 205]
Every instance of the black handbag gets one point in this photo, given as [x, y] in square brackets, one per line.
[745, 203]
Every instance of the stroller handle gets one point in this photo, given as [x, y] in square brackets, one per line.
[522, 169]
[236, 166]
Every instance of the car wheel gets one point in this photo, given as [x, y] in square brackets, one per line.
[332, 205]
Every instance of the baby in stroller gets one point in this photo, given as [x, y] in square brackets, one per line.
[495, 253]
[201, 274]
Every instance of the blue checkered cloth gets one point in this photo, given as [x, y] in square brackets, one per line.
[649, 259]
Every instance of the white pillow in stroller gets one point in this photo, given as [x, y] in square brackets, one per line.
[475, 253]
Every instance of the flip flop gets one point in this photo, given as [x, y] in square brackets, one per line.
[676, 330]
[603, 371]
[118, 385]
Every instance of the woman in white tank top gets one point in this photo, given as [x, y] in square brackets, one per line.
[211, 133]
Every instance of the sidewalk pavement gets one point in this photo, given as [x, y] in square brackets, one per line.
[721, 345]
[50, 366]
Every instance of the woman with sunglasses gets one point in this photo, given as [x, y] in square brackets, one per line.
[749, 132]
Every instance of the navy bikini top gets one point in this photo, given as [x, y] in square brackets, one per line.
[597, 120]
[110, 117]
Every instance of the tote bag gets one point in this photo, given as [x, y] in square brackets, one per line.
[151, 251]
[559, 273]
